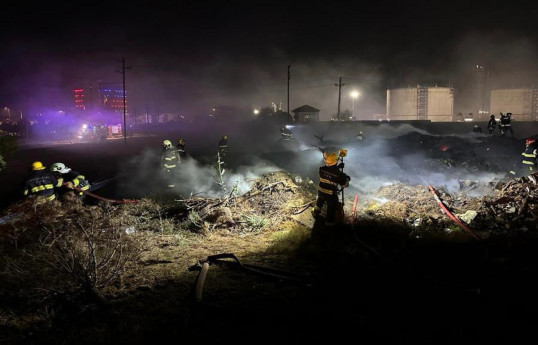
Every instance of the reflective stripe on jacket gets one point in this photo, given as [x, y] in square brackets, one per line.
[169, 158]
[41, 183]
[330, 177]
[529, 155]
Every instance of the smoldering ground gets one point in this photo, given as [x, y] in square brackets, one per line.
[390, 155]
[401, 153]
[144, 176]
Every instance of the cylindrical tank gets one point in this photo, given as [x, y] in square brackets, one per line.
[421, 103]
[520, 102]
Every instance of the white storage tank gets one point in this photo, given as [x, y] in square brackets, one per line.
[522, 103]
[421, 103]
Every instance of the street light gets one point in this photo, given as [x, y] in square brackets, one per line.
[481, 89]
[354, 95]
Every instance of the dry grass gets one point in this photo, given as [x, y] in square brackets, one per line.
[264, 225]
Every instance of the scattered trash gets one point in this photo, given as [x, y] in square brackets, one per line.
[467, 185]
[468, 216]
[513, 205]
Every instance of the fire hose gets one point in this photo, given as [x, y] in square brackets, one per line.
[352, 216]
[124, 201]
[450, 215]
[203, 267]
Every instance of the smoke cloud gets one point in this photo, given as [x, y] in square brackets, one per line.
[143, 176]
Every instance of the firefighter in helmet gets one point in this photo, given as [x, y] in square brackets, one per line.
[492, 124]
[169, 161]
[330, 179]
[69, 179]
[41, 183]
[285, 134]
[180, 147]
[223, 148]
[477, 129]
[506, 124]
[529, 156]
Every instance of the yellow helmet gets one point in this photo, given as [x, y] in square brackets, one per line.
[167, 143]
[225, 137]
[330, 159]
[37, 165]
[181, 141]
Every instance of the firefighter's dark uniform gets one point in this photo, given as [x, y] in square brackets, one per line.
[529, 159]
[491, 125]
[477, 129]
[330, 177]
[181, 150]
[223, 149]
[169, 160]
[41, 183]
[78, 180]
[285, 134]
[506, 125]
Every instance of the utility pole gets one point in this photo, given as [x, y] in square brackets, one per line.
[481, 89]
[147, 113]
[26, 115]
[340, 84]
[289, 77]
[90, 104]
[123, 68]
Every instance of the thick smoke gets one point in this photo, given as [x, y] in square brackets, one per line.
[143, 176]
[391, 155]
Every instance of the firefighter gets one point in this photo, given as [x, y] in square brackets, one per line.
[169, 160]
[492, 124]
[223, 148]
[41, 183]
[69, 179]
[286, 134]
[180, 147]
[330, 178]
[529, 157]
[505, 124]
[477, 129]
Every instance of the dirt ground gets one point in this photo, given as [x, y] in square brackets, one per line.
[401, 271]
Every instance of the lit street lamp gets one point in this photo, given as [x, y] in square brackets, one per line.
[354, 95]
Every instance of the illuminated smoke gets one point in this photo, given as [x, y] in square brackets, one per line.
[143, 176]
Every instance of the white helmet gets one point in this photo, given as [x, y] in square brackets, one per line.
[59, 168]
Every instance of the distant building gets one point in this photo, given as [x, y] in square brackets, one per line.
[79, 98]
[421, 103]
[522, 103]
[111, 97]
[5, 114]
[306, 113]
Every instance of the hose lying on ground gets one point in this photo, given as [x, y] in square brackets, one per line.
[450, 215]
[354, 209]
[203, 267]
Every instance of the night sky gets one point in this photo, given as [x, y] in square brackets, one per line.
[191, 56]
